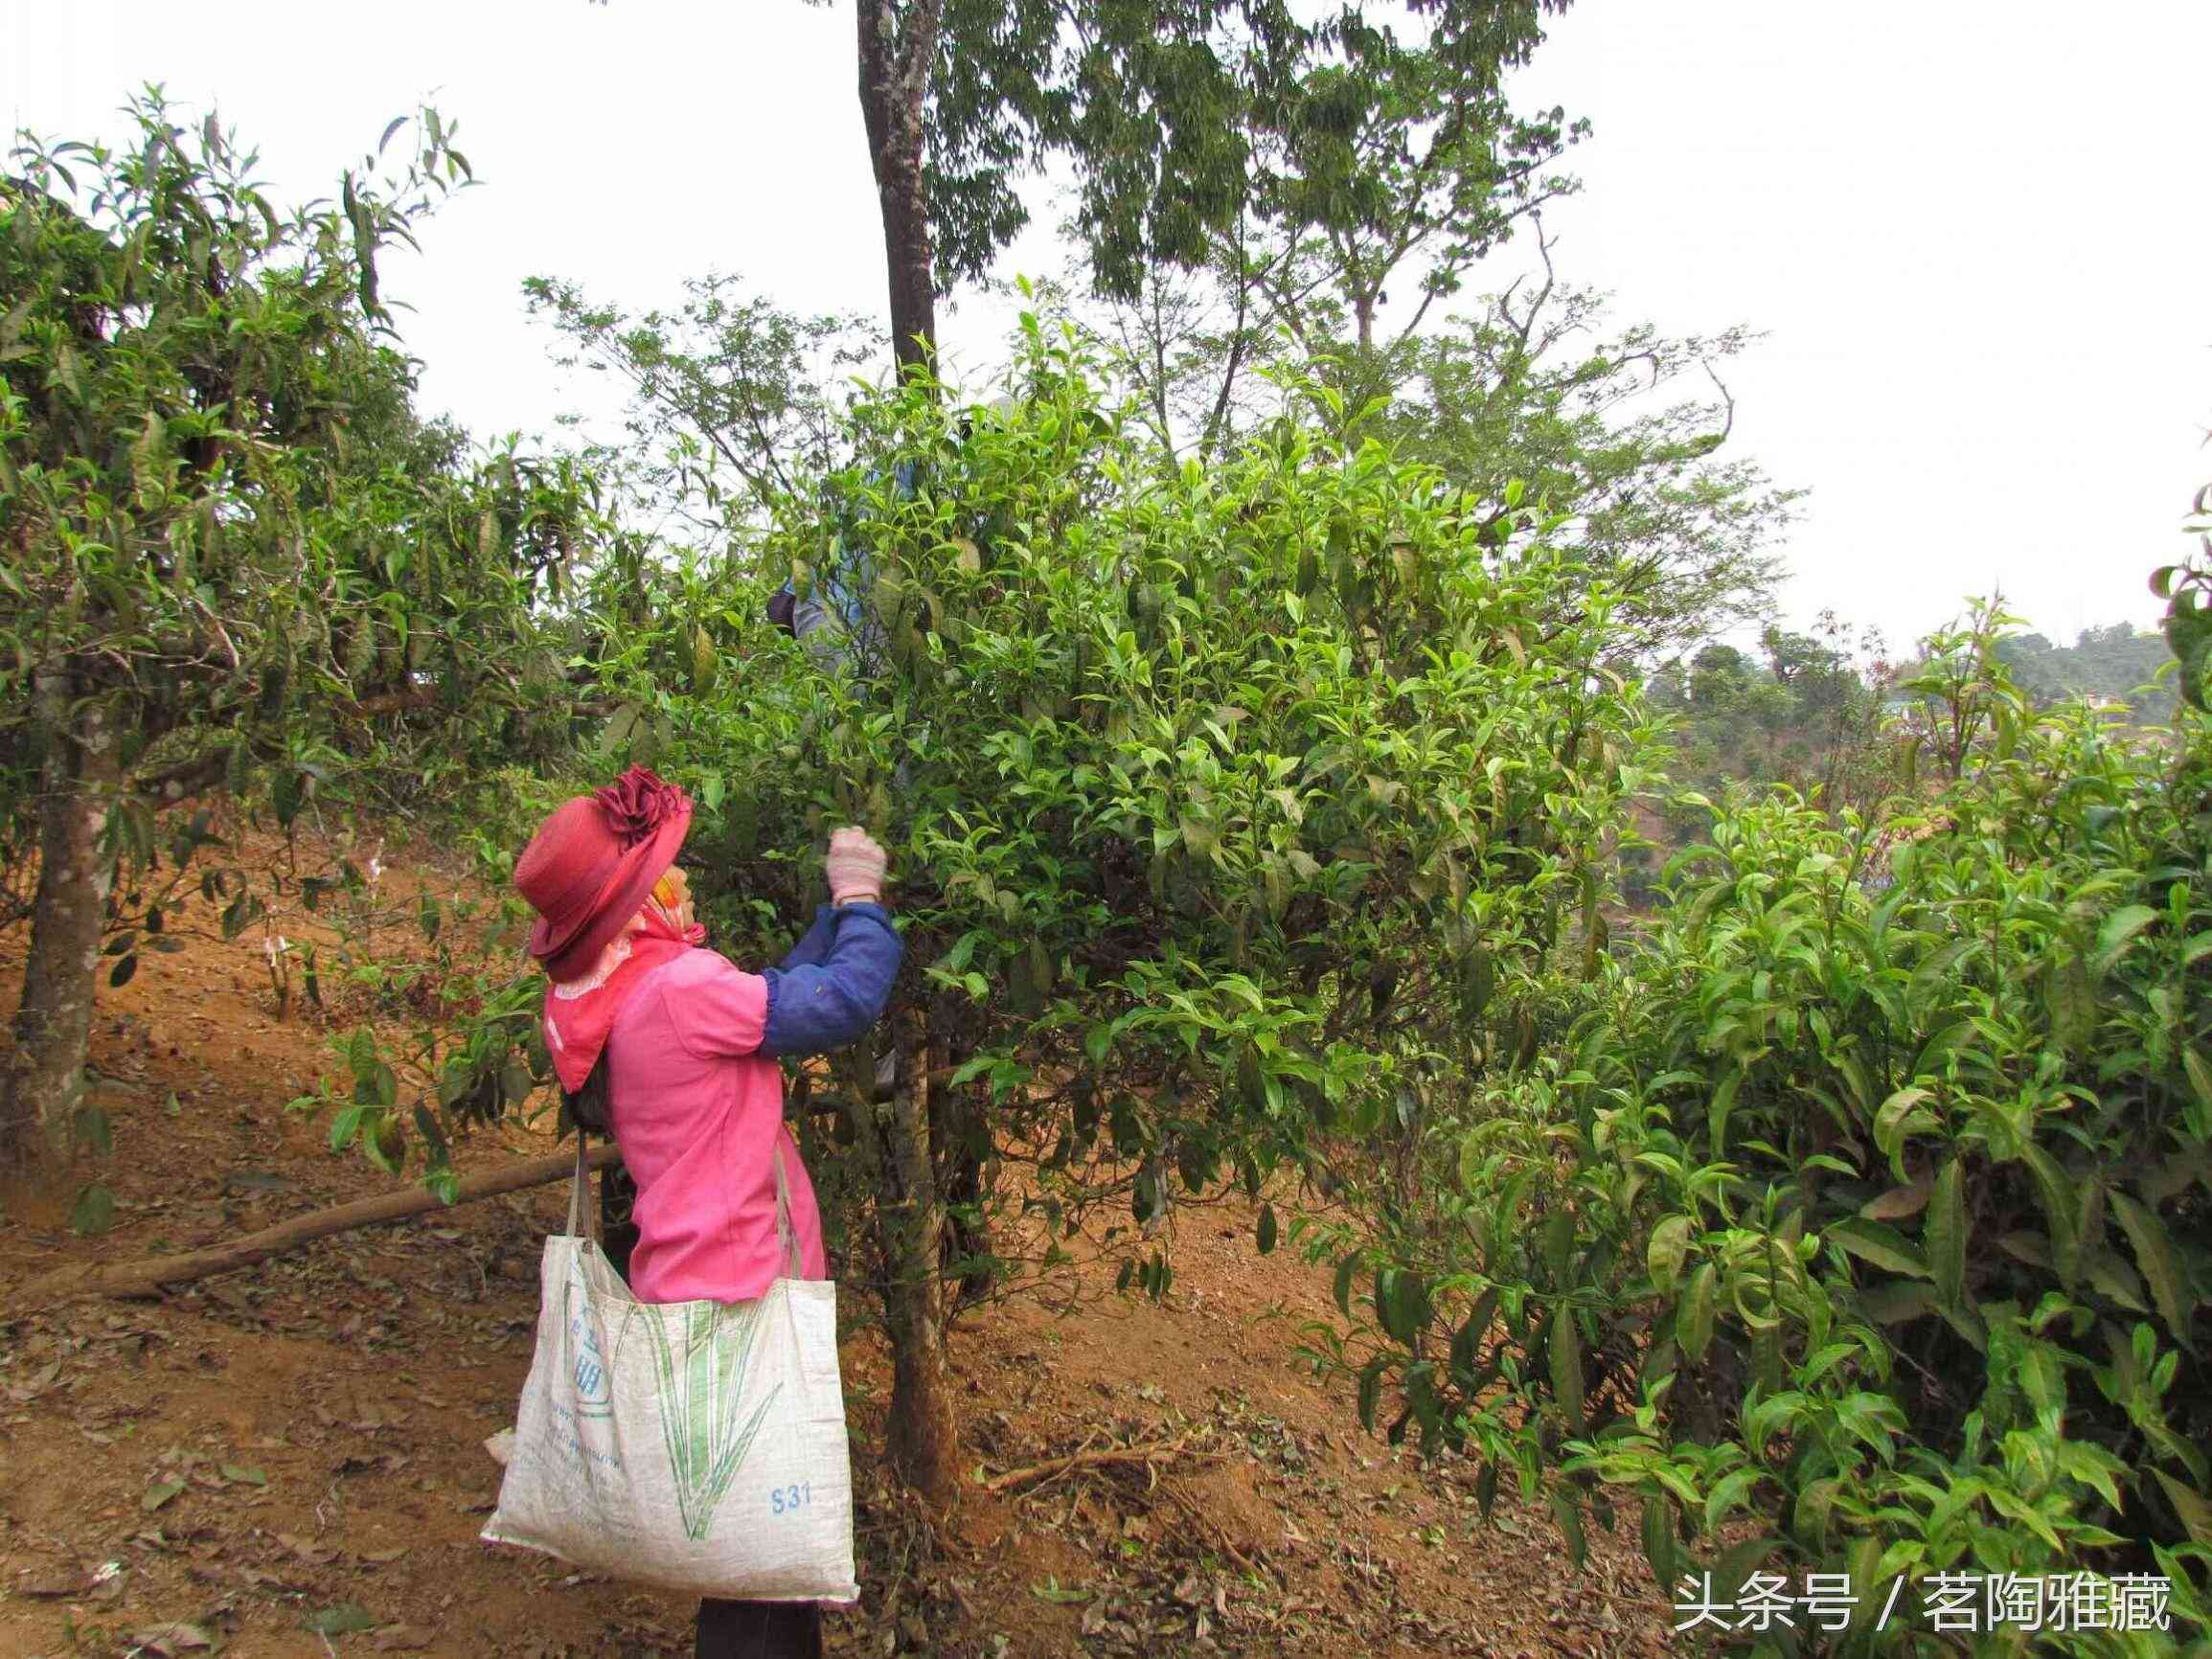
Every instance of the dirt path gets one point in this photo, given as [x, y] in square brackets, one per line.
[299, 1446]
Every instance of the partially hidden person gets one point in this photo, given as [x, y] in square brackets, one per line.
[680, 1046]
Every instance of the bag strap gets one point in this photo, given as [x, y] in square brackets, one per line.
[785, 1235]
[577, 1186]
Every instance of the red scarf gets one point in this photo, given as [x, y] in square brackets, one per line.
[577, 1023]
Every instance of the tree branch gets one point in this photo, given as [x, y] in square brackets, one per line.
[143, 1277]
[181, 782]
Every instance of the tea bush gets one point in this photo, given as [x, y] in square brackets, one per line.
[1207, 790]
[1218, 801]
[236, 557]
[1862, 1222]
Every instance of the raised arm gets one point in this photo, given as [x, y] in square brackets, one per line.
[814, 1007]
[813, 947]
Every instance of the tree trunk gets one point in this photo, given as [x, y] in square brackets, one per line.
[909, 1225]
[960, 1145]
[45, 1074]
[894, 81]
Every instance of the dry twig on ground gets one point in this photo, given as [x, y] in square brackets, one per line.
[1154, 1452]
[150, 1274]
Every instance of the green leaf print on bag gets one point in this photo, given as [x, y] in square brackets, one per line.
[703, 1353]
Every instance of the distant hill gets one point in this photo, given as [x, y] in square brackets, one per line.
[1813, 711]
[2115, 664]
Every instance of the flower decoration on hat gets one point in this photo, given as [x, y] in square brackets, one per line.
[638, 803]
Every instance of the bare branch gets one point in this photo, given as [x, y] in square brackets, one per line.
[1727, 399]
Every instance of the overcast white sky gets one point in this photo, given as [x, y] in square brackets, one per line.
[1978, 236]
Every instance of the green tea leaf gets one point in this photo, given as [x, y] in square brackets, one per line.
[1467, 1341]
[1882, 1245]
[2054, 1191]
[1399, 1302]
[1729, 1493]
[1564, 1349]
[1670, 1245]
[92, 1130]
[1559, 1244]
[2119, 934]
[1471, 1162]
[1694, 1313]
[2155, 1256]
[94, 1212]
[2195, 1512]
[2115, 1279]
[1662, 1548]
[1816, 1504]
[1567, 1513]
[1716, 1113]
[1370, 1394]
[1903, 1115]
[345, 1126]
[2073, 1001]
[1944, 1234]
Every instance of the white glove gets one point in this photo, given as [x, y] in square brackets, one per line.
[855, 866]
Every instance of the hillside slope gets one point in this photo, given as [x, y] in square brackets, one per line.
[300, 1443]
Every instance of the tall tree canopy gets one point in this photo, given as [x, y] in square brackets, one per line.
[1382, 129]
[1535, 394]
[732, 399]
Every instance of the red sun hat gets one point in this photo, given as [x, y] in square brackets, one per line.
[593, 863]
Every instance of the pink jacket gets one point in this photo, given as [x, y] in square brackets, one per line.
[698, 1111]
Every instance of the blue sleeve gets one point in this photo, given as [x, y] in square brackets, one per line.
[819, 1006]
[814, 946]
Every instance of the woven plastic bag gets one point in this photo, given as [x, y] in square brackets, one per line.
[696, 1445]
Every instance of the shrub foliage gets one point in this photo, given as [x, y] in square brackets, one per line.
[1860, 1223]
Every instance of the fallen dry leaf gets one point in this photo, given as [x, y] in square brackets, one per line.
[32, 1387]
[51, 1580]
[170, 1639]
[402, 1638]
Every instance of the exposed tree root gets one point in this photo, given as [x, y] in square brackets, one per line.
[1156, 1452]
